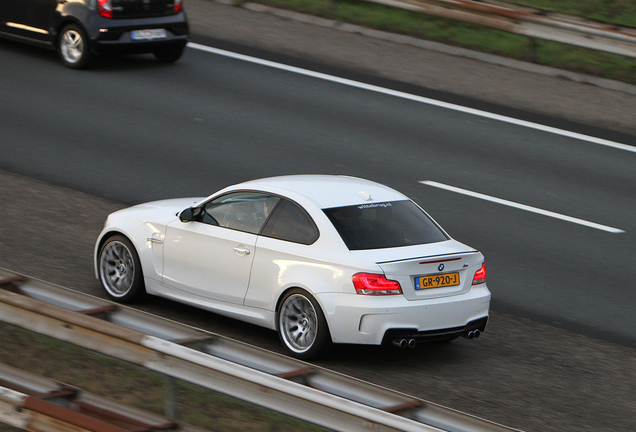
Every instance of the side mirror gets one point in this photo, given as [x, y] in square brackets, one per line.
[189, 214]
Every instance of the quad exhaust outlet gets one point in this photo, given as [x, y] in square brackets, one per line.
[410, 343]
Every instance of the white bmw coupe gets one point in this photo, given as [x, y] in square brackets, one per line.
[321, 259]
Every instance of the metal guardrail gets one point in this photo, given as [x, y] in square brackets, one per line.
[37, 404]
[532, 22]
[270, 380]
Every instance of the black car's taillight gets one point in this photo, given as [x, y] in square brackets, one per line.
[105, 8]
[178, 6]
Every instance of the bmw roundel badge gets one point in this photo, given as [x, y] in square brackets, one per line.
[441, 267]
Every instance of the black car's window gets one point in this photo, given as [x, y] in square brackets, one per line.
[290, 222]
[384, 225]
[243, 211]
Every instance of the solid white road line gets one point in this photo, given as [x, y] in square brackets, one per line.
[522, 207]
[411, 97]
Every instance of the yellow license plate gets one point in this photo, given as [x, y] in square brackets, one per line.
[436, 281]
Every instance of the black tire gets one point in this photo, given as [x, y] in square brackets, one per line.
[169, 54]
[73, 47]
[120, 270]
[301, 325]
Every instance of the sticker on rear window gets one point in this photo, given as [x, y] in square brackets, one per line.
[368, 206]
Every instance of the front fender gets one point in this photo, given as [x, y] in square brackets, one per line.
[139, 232]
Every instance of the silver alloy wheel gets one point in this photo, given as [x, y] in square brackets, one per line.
[72, 46]
[298, 323]
[117, 269]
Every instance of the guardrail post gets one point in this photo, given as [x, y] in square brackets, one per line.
[171, 398]
[533, 50]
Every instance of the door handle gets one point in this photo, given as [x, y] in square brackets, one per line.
[242, 250]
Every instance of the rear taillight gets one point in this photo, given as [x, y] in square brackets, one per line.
[375, 284]
[178, 5]
[480, 275]
[105, 8]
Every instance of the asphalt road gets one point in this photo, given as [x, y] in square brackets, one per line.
[76, 146]
[143, 132]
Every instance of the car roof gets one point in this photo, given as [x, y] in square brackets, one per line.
[326, 190]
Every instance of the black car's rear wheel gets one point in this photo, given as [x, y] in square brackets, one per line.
[120, 270]
[169, 54]
[302, 326]
[73, 47]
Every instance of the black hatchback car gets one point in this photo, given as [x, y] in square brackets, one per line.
[80, 29]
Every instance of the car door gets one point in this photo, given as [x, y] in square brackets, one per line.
[39, 16]
[28, 18]
[212, 255]
[11, 16]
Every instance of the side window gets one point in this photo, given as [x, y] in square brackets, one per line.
[290, 222]
[242, 211]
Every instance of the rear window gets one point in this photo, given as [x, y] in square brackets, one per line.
[384, 225]
[142, 8]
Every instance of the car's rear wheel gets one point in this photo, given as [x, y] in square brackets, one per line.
[120, 270]
[73, 47]
[302, 326]
[170, 54]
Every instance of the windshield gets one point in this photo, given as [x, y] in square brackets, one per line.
[384, 225]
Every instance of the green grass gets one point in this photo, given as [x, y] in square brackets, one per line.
[485, 39]
[135, 386]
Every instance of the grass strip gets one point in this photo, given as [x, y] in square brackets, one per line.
[484, 39]
[135, 386]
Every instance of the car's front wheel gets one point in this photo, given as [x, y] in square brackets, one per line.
[120, 270]
[73, 47]
[302, 326]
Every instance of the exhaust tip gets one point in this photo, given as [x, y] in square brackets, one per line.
[412, 343]
[401, 343]
[473, 334]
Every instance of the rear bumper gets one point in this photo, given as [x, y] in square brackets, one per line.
[373, 320]
[435, 335]
[114, 35]
[136, 47]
